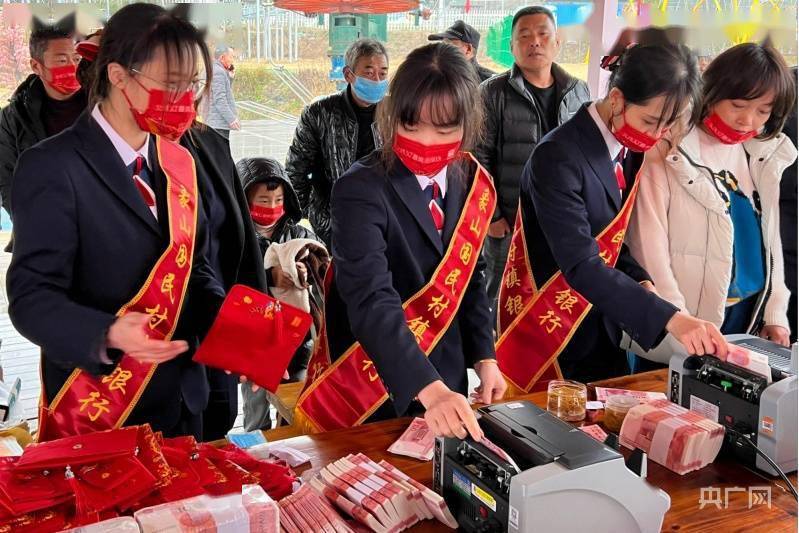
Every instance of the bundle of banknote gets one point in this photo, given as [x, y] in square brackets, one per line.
[378, 496]
[756, 363]
[307, 511]
[418, 441]
[123, 524]
[672, 436]
[251, 511]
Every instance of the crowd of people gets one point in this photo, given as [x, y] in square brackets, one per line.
[661, 205]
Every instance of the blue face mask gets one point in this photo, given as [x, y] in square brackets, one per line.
[369, 91]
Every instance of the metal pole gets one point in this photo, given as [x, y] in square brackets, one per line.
[249, 41]
[258, 28]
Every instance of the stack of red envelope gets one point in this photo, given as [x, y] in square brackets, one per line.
[84, 479]
[672, 436]
[379, 497]
[81, 479]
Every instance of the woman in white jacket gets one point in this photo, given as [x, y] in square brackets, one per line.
[706, 220]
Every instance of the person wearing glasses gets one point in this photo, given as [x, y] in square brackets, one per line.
[110, 274]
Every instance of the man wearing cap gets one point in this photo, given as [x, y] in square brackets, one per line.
[221, 106]
[521, 106]
[467, 39]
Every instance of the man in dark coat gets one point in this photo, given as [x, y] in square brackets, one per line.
[47, 102]
[522, 105]
[335, 131]
[788, 223]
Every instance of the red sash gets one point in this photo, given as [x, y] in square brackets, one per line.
[345, 393]
[87, 403]
[535, 325]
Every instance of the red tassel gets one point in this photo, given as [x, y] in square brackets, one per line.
[84, 514]
[278, 323]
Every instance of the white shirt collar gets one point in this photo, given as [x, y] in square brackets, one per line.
[125, 151]
[440, 178]
[614, 146]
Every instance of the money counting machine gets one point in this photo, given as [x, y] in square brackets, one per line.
[543, 475]
[764, 408]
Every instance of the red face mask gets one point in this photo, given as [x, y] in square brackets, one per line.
[266, 216]
[424, 159]
[634, 139]
[63, 79]
[725, 133]
[163, 116]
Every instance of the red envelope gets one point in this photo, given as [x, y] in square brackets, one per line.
[254, 335]
[80, 449]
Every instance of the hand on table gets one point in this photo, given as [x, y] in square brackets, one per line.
[699, 337]
[777, 334]
[448, 414]
[129, 335]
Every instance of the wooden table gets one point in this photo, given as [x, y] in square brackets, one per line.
[685, 491]
[284, 399]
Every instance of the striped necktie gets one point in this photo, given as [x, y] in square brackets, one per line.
[435, 203]
[141, 178]
[618, 168]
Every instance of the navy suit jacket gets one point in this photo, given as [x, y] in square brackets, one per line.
[569, 194]
[84, 244]
[386, 248]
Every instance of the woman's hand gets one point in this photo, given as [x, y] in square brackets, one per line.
[699, 337]
[129, 335]
[777, 334]
[492, 385]
[448, 414]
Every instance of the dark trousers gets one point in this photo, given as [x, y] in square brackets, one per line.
[495, 253]
[223, 404]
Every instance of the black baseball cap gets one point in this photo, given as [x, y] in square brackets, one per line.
[460, 31]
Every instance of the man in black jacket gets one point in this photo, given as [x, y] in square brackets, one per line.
[466, 39]
[46, 103]
[522, 105]
[335, 131]
[788, 222]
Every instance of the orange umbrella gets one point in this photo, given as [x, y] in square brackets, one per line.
[348, 6]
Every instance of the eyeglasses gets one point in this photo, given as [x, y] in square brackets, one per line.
[176, 89]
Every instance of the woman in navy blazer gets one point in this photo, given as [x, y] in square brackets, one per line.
[570, 192]
[86, 239]
[386, 245]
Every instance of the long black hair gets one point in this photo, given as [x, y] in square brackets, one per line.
[134, 34]
[658, 67]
